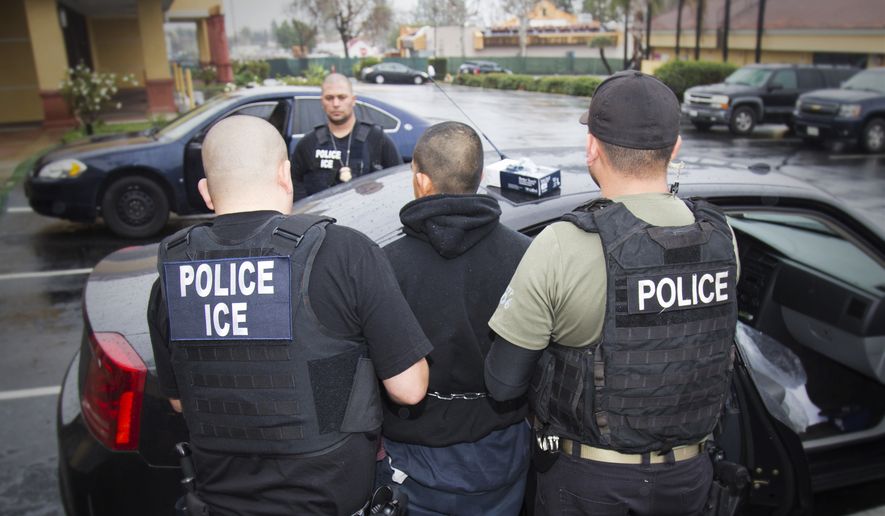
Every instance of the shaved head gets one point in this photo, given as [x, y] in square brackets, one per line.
[450, 153]
[242, 156]
[335, 79]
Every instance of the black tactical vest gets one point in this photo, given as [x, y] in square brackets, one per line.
[659, 376]
[327, 157]
[255, 372]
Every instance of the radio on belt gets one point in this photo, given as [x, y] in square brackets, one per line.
[524, 176]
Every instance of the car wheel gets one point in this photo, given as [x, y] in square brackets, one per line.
[418, 79]
[743, 120]
[135, 207]
[379, 79]
[873, 136]
[702, 126]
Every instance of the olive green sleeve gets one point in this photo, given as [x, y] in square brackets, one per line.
[525, 314]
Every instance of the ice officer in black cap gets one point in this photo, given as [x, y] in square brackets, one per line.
[619, 323]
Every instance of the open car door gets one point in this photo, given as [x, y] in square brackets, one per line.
[750, 436]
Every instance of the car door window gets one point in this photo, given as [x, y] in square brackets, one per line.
[810, 80]
[308, 114]
[273, 112]
[786, 79]
[373, 115]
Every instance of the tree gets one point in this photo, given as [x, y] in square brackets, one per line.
[698, 28]
[679, 25]
[565, 5]
[295, 34]
[437, 13]
[349, 18]
[378, 23]
[521, 9]
[602, 43]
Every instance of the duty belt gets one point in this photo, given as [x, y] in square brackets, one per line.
[584, 451]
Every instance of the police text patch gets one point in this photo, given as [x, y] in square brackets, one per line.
[230, 299]
[654, 294]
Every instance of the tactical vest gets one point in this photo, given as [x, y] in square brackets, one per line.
[659, 375]
[255, 371]
[328, 158]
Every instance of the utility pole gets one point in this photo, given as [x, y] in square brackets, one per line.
[648, 29]
[698, 28]
[727, 25]
[760, 25]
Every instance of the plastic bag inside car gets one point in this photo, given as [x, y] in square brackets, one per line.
[779, 377]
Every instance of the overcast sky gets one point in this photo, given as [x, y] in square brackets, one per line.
[257, 14]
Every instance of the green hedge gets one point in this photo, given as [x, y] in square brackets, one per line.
[582, 86]
[681, 75]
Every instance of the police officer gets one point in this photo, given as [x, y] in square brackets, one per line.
[619, 323]
[270, 332]
[343, 148]
[458, 451]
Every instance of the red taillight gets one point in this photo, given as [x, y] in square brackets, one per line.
[113, 392]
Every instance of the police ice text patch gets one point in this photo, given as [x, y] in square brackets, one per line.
[230, 299]
[654, 294]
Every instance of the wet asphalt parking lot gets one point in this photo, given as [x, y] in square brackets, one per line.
[44, 264]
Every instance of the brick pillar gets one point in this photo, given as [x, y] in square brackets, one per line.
[218, 47]
[158, 80]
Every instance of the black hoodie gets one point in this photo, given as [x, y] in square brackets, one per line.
[453, 265]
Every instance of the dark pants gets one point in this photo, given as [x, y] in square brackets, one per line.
[577, 486]
[426, 501]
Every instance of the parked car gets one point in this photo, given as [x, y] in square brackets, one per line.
[854, 113]
[134, 181]
[808, 399]
[758, 93]
[393, 73]
[476, 67]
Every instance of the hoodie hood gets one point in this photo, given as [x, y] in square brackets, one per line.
[451, 224]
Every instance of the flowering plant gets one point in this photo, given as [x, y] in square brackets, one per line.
[88, 92]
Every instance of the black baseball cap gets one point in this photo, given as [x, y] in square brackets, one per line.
[634, 110]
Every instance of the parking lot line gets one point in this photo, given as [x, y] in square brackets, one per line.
[19, 209]
[43, 274]
[30, 393]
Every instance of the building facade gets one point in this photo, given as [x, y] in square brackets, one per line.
[41, 39]
[848, 32]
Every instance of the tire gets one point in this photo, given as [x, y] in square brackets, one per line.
[379, 79]
[873, 136]
[418, 79]
[702, 126]
[135, 207]
[743, 121]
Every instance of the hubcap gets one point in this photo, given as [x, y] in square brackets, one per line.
[876, 137]
[135, 207]
[743, 121]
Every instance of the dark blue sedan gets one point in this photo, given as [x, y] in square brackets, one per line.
[135, 181]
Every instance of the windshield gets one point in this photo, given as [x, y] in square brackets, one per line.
[749, 77]
[867, 81]
[189, 120]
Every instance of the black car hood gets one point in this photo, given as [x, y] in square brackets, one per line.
[97, 146]
[723, 89]
[841, 95]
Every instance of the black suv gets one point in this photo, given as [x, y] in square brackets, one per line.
[855, 112]
[758, 94]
